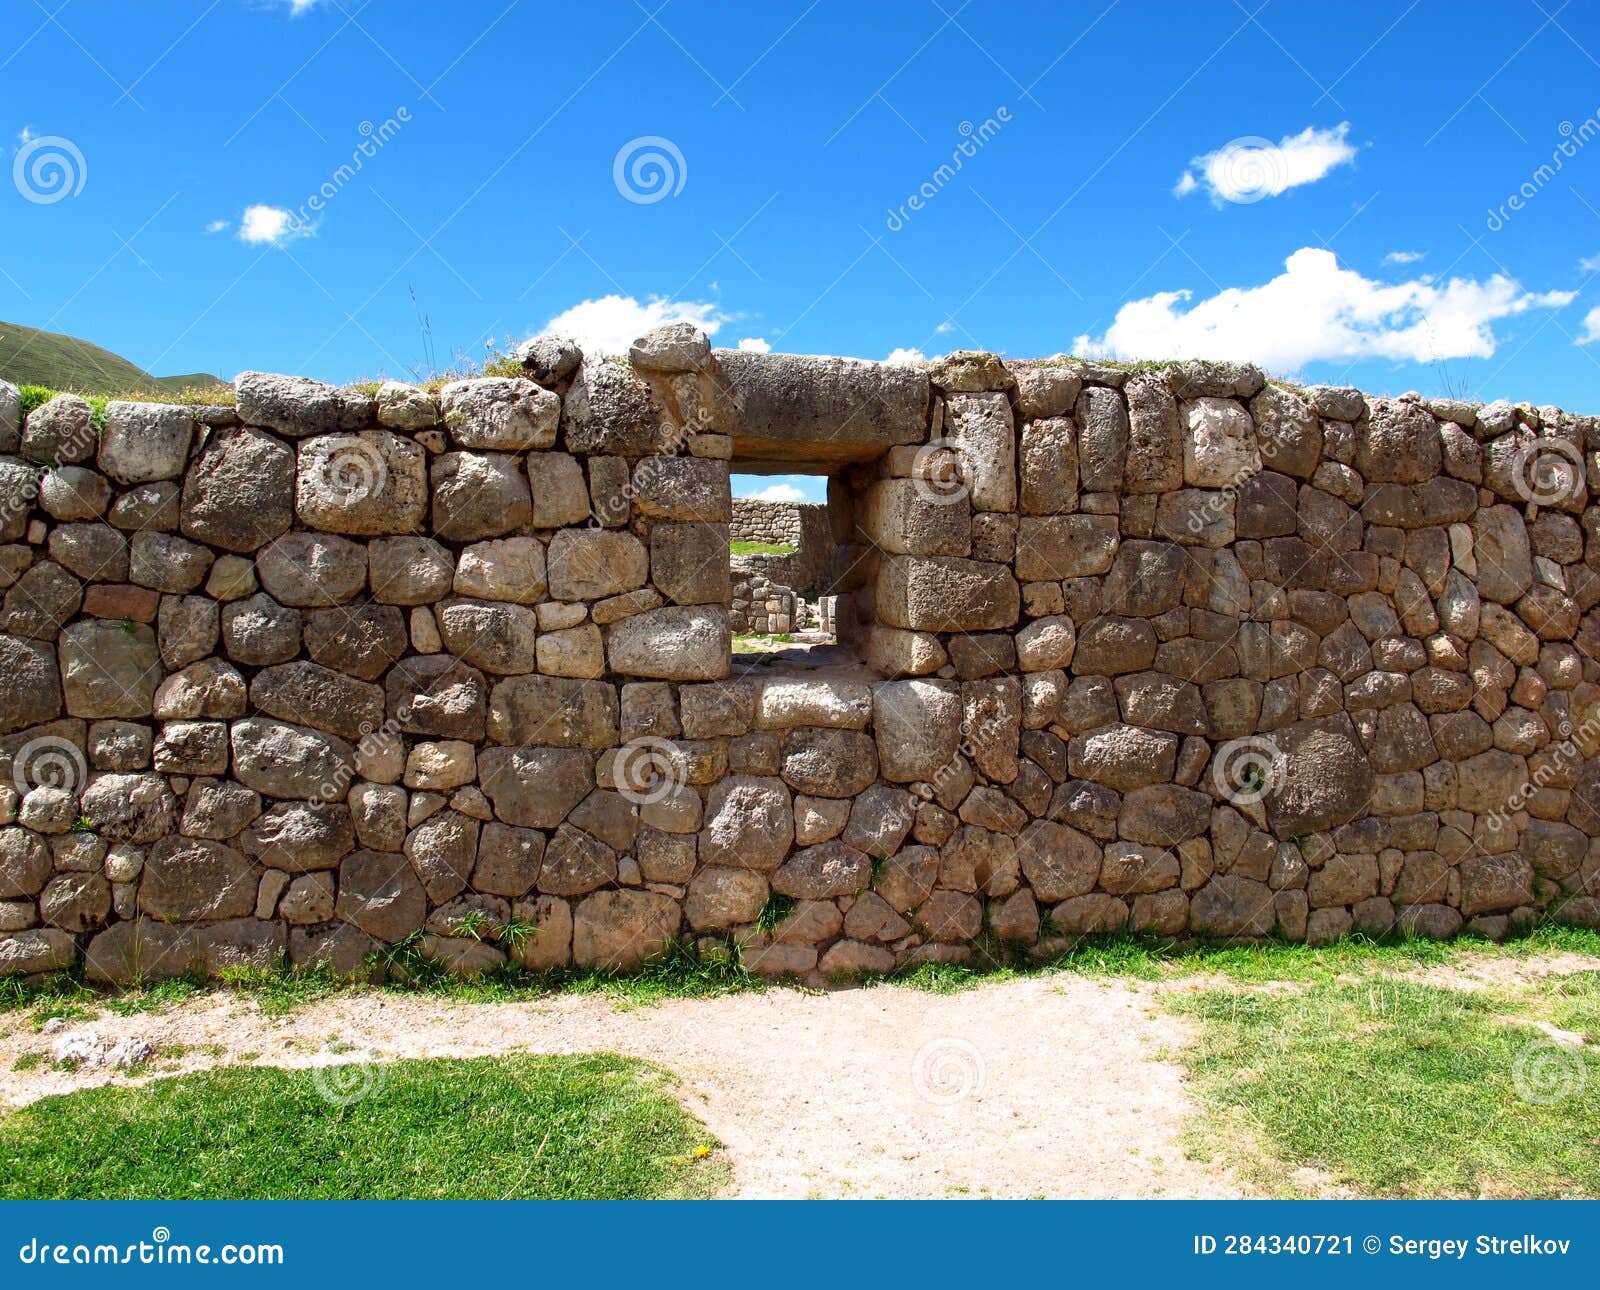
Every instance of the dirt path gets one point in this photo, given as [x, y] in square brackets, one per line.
[1047, 1086]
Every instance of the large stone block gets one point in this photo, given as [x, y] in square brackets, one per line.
[829, 763]
[979, 428]
[907, 517]
[800, 408]
[676, 643]
[368, 484]
[1220, 450]
[282, 760]
[1504, 557]
[610, 410]
[615, 930]
[380, 893]
[1324, 777]
[555, 711]
[591, 564]
[1146, 579]
[1051, 548]
[30, 683]
[1232, 906]
[503, 569]
[494, 635]
[501, 413]
[918, 728]
[239, 493]
[313, 570]
[946, 593]
[722, 898]
[683, 488]
[689, 563]
[535, 788]
[1397, 443]
[438, 696]
[299, 837]
[478, 495]
[1102, 419]
[749, 823]
[109, 669]
[1155, 435]
[785, 702]
[309, 694]
[191, 879]
[1048, 466]
[145, 441]
[559, 494]
[297, 406]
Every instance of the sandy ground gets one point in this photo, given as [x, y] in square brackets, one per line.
[1047, 1086]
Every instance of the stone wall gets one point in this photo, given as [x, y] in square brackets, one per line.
[1172, 650]
[801, 525]
[758, 521]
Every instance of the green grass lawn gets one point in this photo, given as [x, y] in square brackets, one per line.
[760, 548]
[1391, 1087]
[514, 1127]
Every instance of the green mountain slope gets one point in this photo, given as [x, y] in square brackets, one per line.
[32, 357]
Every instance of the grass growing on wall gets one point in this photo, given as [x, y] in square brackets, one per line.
[513, 1127]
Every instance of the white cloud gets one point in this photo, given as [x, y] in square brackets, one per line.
[1250, 168]
[906, 357]
[755, 345]
[1315, 310]
[778, 493]
[217, 226]
[1591, 327]
[270, 225]
[1403, 257]
[612, 323]
[25, 134]
[298, 7]
[1590, 264]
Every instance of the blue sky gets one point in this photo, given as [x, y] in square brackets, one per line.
[1400, 195]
